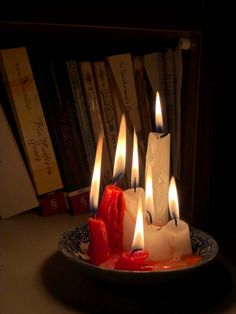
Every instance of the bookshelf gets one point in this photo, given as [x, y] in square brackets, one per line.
[91, 38]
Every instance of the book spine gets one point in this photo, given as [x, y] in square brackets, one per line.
[124, 88]
[171, 104]
[33, 131]
[17, 193]
[54, 202]
[25, 101]
[144, 106]
[155, 72]
[81, 111]
[107, 107]
[70, 149]
[92, 101]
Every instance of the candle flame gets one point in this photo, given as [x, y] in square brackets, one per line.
[158, 113]
[138, 240]
[95, 185]
[135, 163]
[149, 192]
[173, 199]
[120, 155]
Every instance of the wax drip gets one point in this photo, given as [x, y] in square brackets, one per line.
[150, 216]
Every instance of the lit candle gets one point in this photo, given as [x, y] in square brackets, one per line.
[132, 197]
[98, 246]
[156, 238]
[178, 230]
[158, 159]
[135, 260]
[112, 206]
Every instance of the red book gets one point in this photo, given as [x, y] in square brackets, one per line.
[79, 200]
[53, 203]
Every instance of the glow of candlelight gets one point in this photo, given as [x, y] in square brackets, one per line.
[120, 155]
[138, 240]
[149, 194]
[95, 185]
[173, 200]
[158, 114]
[135, 163]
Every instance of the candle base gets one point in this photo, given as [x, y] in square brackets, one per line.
[133, 261]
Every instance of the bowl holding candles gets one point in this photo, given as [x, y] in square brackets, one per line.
[74, 245]
[129, 237]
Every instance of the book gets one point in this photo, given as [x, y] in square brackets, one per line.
[92, 101]
[17, 193]
[66, 135]
[122, 80]
[142, 92]
[81, 111]
[26, 106]
[173, 88]
[164, 72]
[154, 68]
[106, 106]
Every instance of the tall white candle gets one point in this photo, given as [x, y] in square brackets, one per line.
[178, 230]
[158, 159]
[132, 197]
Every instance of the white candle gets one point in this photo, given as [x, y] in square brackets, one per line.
[132, 197]
[178, 230]
[156, 242]
[158, 159]
[155, 238]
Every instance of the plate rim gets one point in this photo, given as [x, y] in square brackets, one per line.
[87, 265]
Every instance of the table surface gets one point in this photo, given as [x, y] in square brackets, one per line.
[36, 278]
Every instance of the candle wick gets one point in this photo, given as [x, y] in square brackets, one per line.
[175, 218]
[150, 216]
[159, 129]
[93, 212]
[117, 178]
[163, 135]
[135, 185]
[135, 250]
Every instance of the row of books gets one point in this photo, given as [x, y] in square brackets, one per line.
[61, 107]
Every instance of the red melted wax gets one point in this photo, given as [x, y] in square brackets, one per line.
[123, 262]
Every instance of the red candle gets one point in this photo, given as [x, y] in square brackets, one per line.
[133, 261]
[111, 211]
[98, 248]
[112, 206]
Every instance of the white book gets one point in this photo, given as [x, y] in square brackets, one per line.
[17, 193]
[26, 105]
[124, 89]
[92, 100]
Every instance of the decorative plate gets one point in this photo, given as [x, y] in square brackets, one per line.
[74, 244]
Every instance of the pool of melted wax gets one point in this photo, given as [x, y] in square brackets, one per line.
[183, 262]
